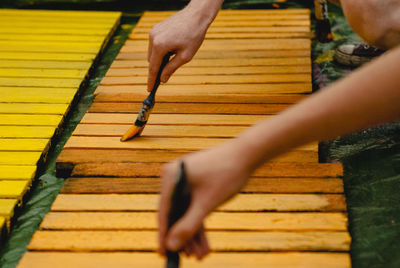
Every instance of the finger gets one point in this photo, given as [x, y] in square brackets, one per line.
[150, 48]
[205, 248]
[189, 248]
[185, 228]
[176, 62]
[154, 66]
[197, 247]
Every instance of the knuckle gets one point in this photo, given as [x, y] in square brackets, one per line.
[186, 57]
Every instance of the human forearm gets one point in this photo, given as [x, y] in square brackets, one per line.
[365, 98]
[206, 10]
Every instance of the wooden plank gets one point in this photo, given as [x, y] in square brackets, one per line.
[213, 79]
[213, 70]
[56, 31]
[46, 60]
[226, 54]
[190, 108]
[284, 170]
[34, 94]
[19, 158]
[236, 12]
[26, 132]
[52, 37]
[259, 23]
[153, 260]
[250, 89]
[227, 36]
[48, 73]
[175, 119]
[61, 13]
[152, 185]
[234, 62]
[10, 172]
[39, 82]
[220, 241]
[175, 144]
[241, 202]
[7, 207]
[33, 108]
[30, 120]
[91, 25]
[243, 221]
[16, 46]
[13, 188]
[248, 18]
[15, 144]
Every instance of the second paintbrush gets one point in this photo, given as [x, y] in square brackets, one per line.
[147, 106]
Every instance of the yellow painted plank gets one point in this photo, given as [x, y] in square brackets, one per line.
[51, 37]
[40, 46]
[9, 172]
[252, 221]
[35, 145]
[26, 132]
[40, 82]
[56, 31]
[59, 25]
[7, 207]
[35, 94]
[2, 227]
[13, 189]
[219, 241]
[30, 120]
[19, 158]
[29, 17]
[154, 260]
[46, 60]
[61, 13]
[33, 108]
[149, 202]
[48, 73]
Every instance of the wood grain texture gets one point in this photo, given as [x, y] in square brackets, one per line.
[220, 241]
[255, 202]
[227, 36]
[152, 185]
[153, 260]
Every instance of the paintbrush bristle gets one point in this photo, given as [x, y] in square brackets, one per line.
[132, 132]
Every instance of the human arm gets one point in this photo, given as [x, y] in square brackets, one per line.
[367, 97]
[183, 34]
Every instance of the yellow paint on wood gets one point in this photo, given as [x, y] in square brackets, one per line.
[7, 207]
[52, 37]
[31, 46]
[33, 108]
[9, 172]
[154, 260]
[48, 73]
[36, 145]
[219, 241]
[19, 158]
[26, 132]
[61, 13]
[37, 94]
[13, 189]
[56, 31]
[30, 120]
[46, 60]
[93, 25]
[40, 82]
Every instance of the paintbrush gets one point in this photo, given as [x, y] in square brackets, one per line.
[147, 106]
[180, 200]
[322, 26]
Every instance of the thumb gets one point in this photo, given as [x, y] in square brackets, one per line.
[173, 65]
[185, 228]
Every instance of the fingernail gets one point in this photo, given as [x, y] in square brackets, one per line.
[173, 244]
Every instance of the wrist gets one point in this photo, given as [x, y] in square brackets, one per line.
[204, 10]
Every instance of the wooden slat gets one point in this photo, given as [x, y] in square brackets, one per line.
[10, 172]
[15, 46]
[153, 185]
[248, 18]
[220, 241]
[52, 73]
[13, 188]
[45, 60]
[242, 202]
[243, 221]
[39, 82]
[34, 94]
[51, 37]
[19, 158]
[26, 132]
[30, 120]
[61, 13]
[227, 36]
[33, 108]
[153, 260]
[20, 144]
[236, 23]
[236, 12]
[7, 207]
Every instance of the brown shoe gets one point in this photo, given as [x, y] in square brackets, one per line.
[356, 55]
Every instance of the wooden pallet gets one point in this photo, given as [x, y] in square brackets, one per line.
[252, 65]
[44, 58]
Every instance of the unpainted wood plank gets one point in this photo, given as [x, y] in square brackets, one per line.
[19, 158]
[30, 120]
[12, 172]
[250, 89]
[154, 260]
[26, 131]
[48, 73]
[226, 54]
[284, 170]
[259, 23]
[244, 221]
[220, 241]
[174, 119]
[241, 202]
[21, 144]
[46, 60]
[33, 108]
[7, 207]
[39, 82]
[190, 108]
[236, 12]
[153, 185]
[235, 36]
[240, 44]
[222, 62]
[35, 94]
[175, 144]
[213, 79]
[13, 188]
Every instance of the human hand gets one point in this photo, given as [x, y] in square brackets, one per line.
[213, 176]
[182, 34]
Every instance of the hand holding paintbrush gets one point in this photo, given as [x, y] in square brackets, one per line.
[147, 106]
